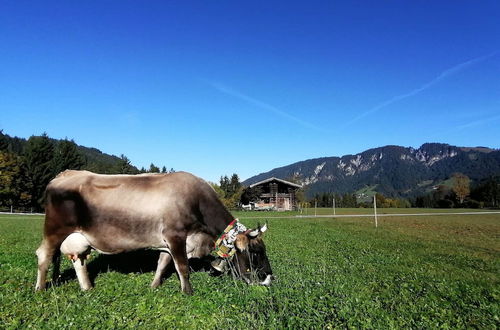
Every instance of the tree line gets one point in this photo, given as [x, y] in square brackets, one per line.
[27, 166]
[458, 192]
[462, 193]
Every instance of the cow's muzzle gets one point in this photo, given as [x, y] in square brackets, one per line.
[267, 281]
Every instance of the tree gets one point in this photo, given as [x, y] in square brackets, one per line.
[163, 169]
[3, 141]
[124, 166]
[224, 185]
[380, 199]
[460, 186]
[232, 190]
[251, 195]
[67, 157]
[14, 189]
[234, 185]
[487, 192]
[220, 193]
[153, 168]
[38, 159]
[300, 196]
[349, 200]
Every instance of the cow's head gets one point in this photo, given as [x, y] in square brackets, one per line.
[250, 261]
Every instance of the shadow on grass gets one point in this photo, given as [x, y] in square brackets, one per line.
[139, 262]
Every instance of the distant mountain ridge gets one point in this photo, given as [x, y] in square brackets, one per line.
[392, 170]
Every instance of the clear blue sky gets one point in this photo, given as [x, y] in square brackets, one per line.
[222, 87]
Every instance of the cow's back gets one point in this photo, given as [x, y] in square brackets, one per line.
[135, 208]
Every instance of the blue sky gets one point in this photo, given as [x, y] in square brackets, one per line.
[222, 87]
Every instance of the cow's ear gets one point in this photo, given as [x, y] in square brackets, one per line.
[241, 242]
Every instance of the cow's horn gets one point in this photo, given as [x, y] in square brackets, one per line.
[263, 229]
[253, 233]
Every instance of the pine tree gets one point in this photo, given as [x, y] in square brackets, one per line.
[3, 141]
[124, 166]
[153, 168]
[224, 185]
[234, 185]
[9, 169]
[38, 159]
[67, 157]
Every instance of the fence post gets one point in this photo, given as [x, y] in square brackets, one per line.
[375, 210]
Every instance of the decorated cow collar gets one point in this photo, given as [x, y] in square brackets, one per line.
[224, 246]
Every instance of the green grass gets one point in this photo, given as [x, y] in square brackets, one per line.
[411, 272]
[366, 193]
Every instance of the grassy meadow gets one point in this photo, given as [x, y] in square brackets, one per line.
[410, 272]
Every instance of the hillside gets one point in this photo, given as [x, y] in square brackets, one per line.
[95, 160]
[391, 170]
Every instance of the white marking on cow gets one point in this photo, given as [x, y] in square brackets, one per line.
[75, 245]
[267, 281]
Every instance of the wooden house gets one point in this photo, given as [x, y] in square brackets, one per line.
[277, 194]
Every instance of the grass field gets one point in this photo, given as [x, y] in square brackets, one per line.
[410, 272]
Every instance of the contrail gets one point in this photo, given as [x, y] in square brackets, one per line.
[478, 122]
[262, 105]
[441, 76]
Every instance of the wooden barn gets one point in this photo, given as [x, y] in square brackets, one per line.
[277, 194]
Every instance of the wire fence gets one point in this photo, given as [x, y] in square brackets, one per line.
[18, 210]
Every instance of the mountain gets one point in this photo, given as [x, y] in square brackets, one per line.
[394, 171]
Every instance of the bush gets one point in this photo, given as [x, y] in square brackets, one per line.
[445, 203]
[473, 204]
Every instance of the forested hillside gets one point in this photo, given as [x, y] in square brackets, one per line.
[27, 165]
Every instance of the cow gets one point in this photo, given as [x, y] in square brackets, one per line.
[178, 214]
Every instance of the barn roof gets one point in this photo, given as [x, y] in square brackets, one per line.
[276, 179]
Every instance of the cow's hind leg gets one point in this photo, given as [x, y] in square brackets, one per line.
[163, 262]
[81, 272]
[56, 268]
[45, 254]
[179, 255]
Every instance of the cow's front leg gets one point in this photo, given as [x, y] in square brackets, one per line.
[163, 262]
[179, 255]
[80, 266]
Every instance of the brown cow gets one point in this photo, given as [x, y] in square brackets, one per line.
[178, 214]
